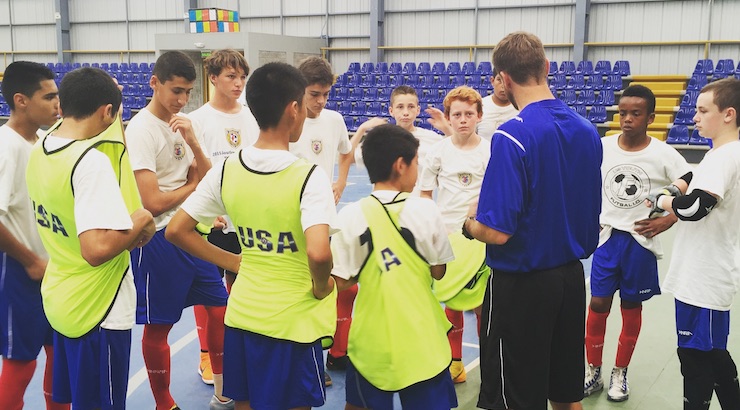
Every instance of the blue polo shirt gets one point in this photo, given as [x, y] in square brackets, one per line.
[543, 187]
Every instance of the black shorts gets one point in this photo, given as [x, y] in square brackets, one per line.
[532, 332]
[226, 241]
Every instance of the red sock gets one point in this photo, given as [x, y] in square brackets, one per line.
[48, 372]
[345, 301]
[201, 323]
[595, 331]
[215, 334]
[15, 376]
[631, 323]
[456, 333]
[156, 353]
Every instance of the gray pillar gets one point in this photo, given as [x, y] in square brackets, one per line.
[377, 30]
[61, 16]
[583, 12]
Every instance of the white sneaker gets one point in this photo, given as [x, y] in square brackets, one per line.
[619, 389]
[593, 381]
[217, 404]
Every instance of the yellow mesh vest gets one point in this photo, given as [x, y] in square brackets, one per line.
[399, 330]
[76, 296]
[272, 295]
[464, 284]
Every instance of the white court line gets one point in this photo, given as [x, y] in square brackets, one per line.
[471, 345]
[472, 365]
[140, 377]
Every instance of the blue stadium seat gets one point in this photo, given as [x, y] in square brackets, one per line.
[576, 82]
[603, 67]
[384, 94]
[442, 81]
[567, 68]
[689, 99]
[558, 80]
[409, 68]
[474, 80]
[412, 80]
[104, 66]
[580, 109]
[737, 71]
[381, 68]
[368, 81]
[697, 82]
[438, 68]
[395, 68]
[678, 134]
[373, 109]
[350, 123]
[342, 94]
[585, 67]
[342, 80]
[622, 67]
[485, 68]
[344, 107]
[586, 97]
[704, 67]
[553, 68]
[468, 68]
[114, 67]
[144, 68]
[355, 94]
[331, 105]
[59, 68]
[697, 139]
[87, 65]
[358, 108]
[605, 97]
[370, 94]
[367, 68]
[423, 68]
[354, 80]
[453, 68]
[125, 68]
[134, 67]
[426, 81]
[354, 67]
[685, 116]
[568, 97]
[140, 102]
[614, 82]
[456, 80]
[594, 82]
[397, 80]
[95, 65]
[383, 80]
[597, 114]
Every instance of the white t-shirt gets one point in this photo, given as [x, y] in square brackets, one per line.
[421, 216]
[321, 139]
[493, 117]
[223, 133]
[317, 202]
[99, 205]
[153, 146]
[458, 174]
[16, 210]
[705, 262]
[628, 178]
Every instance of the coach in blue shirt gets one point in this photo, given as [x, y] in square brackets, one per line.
[539, 214]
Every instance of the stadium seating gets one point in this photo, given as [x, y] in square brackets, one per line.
[621, 67]
[567, 68]
[685, 116]
[585, 67]
[678, 134]
[485, 68]
[586, 97]
[704, 67]
[597, 114]
[424, 68]
[697, 139]
[603, 67]
[697, 82]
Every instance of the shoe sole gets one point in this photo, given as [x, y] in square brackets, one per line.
[587, 393]
[206, 381]
[617, 399]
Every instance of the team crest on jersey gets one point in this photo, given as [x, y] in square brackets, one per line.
[317, 146]
[626, 186]
[179, 150]
[234, 137]
[465, 178]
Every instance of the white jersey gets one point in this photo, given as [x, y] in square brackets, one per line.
[493, 117]
[16, 210]
[99, 204]
[458, 175]
[705, 262]
[322, 138]
[224, 133]
[153, 146]
[420, 216]
[628, 178]
[317, 201]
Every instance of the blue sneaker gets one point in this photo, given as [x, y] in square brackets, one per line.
[593, 381]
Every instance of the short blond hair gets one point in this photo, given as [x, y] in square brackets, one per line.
[465, 94]
[220, 59]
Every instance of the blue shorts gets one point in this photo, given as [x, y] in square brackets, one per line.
[622, 263]
[169, 279]
[437, 393]
[23, 325]
[91, 372]
[272, 374]
[701, 328]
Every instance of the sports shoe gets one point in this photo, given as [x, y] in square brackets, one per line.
[204, 368]
[217, 404]
[593, 381]
[336, 363]
[327, 380]
[619, 388]
[457, 371]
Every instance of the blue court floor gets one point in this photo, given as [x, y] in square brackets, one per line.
[654, 375]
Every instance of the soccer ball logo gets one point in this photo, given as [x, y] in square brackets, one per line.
[234, 137]
[626, 186]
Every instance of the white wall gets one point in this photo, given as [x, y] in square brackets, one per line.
[435, 24]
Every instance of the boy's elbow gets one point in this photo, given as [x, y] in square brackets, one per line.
[320, 256]
[96, 256]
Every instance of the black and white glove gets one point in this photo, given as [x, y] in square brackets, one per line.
[654, 198]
